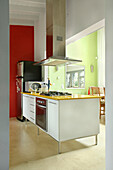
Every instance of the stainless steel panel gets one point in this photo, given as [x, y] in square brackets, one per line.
[56, 34]
[19, 84]
[20, 69]
[55, 23]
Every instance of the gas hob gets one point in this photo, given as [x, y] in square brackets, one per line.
[55, 93]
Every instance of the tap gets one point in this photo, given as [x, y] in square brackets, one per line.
[48, 84]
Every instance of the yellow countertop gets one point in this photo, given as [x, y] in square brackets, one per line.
[74, 96]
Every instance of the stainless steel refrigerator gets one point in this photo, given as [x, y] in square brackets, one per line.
[26, 71]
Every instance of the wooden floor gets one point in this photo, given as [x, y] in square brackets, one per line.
[26, 147]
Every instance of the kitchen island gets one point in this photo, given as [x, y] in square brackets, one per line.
[67, 117]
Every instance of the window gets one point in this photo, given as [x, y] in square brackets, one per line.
[75, 76]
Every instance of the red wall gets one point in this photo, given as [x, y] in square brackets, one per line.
[21, 48]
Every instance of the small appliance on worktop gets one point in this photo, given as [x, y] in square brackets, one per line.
[31, 86]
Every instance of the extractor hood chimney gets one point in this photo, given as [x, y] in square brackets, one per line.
[56, 34]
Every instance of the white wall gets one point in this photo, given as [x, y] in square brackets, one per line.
[80, 15]
[101, 57]
[21, 22]
[83, 13]
[4, 85]
[109, 84]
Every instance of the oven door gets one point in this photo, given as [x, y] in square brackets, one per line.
[41, 116]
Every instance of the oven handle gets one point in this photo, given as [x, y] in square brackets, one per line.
[41, 106]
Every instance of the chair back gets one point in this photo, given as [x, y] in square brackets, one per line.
[95, 91]
[104, 90]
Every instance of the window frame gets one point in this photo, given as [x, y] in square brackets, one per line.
[79, 71]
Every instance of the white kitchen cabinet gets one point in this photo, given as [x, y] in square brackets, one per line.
[29, 108]
[78, 118]
[25, 106]
[53, 119]
[72, 119]
[66, 119]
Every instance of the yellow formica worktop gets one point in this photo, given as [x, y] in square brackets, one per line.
[72, 97]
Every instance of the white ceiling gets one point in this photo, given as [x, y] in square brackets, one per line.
[25, 11]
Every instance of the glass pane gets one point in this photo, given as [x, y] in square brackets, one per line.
[75, 79]
[81, 73]
[75, 76]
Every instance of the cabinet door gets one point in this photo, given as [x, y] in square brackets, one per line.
[53, 119]
[26, 106]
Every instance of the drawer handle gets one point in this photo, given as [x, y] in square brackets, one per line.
[38, 105]
[52, 103]
[31, 111]
[31, 118]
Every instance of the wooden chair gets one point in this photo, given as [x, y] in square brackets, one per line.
[102, 103]
[95, 91]
[100, 91]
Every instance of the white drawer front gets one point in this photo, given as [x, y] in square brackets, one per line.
[32, 113]
[32, 119]
[32, 108]
[32, 100]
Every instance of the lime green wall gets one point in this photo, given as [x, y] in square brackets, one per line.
[86, 50]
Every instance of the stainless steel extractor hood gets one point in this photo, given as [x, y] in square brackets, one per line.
[55, 34]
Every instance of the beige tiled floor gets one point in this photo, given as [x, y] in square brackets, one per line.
[31, 152]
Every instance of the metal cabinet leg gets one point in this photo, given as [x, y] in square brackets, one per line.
[38, 131]
[96, 139]
[59, 147]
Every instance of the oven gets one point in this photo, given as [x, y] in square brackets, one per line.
[41, 111]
